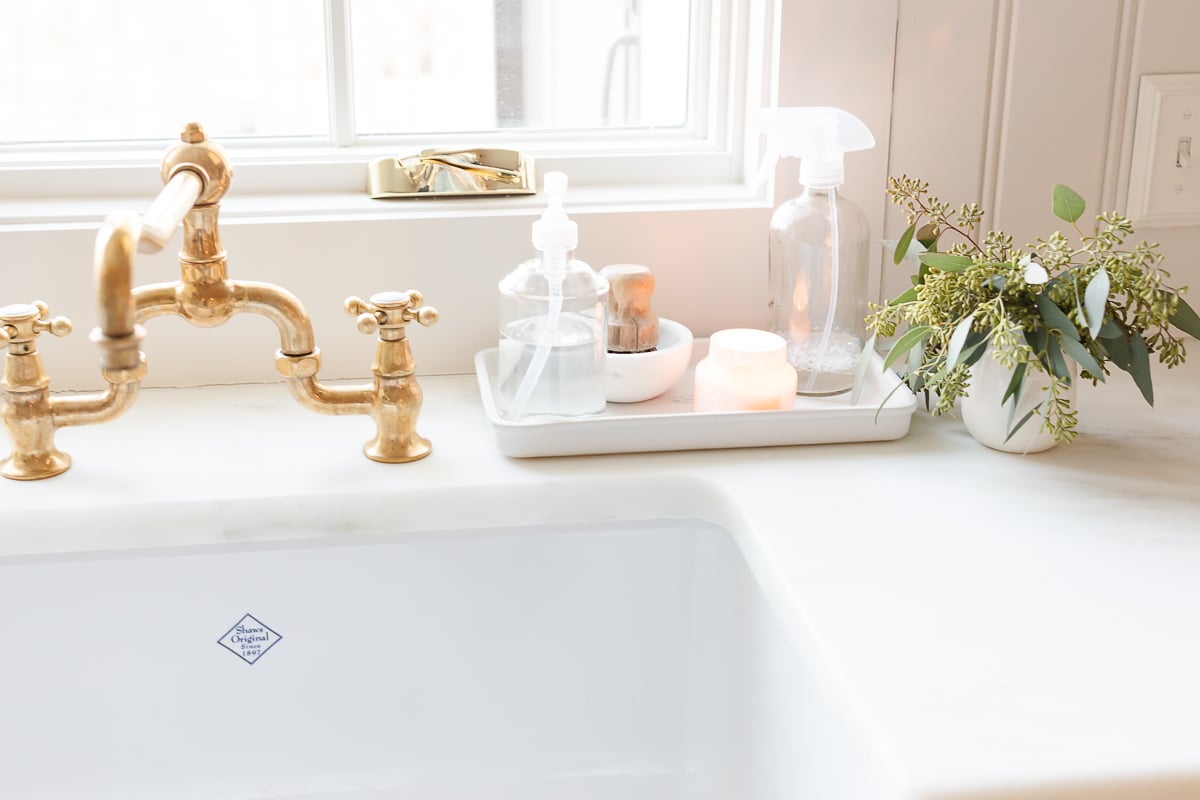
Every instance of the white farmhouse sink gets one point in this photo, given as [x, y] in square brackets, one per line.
[626, 660]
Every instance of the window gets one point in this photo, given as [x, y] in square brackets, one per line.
[303, 92]
[81, 70]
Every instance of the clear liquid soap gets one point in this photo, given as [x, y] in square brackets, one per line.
[552, 324]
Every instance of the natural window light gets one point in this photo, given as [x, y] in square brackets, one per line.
[648, 95]
[117, 70]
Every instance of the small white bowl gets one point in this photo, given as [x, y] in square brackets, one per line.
[634, 377]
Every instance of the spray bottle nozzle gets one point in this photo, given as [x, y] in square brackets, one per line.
[818, 136]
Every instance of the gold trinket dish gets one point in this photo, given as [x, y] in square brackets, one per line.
[452, 173]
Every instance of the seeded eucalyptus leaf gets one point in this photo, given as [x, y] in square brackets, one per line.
[1029, 415]
[1037, 342]
[1068, 205]
[946, 262]
[1110, 329]
[1083, 358]
[860, 369]
[1095, 298]
[1058, 364]
[1185, 319]
[1119, 350]
[974, 348]
[915, 378]
[1080, 314]
[895, 389]
[957, 340]
[927, 236]
[913, 337]
[1139, 366]
[908, 296]
[1054, 317]
[1012, 414]
[972, 352]
[902, 245]
[1014, 384]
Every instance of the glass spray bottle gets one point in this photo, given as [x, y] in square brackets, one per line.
[819, 249]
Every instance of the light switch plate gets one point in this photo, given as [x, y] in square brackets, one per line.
[1164, 175]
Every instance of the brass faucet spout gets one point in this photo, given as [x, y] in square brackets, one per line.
[123, 234]
[115, 248]
[168, 209]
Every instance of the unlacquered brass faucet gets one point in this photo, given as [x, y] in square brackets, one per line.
[196, 175]
[30, 414]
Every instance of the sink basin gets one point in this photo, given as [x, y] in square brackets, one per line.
[630, 660]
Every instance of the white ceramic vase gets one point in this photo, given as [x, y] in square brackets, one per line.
[987, 418]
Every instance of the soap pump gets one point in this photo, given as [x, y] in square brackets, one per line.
[552, 323]
[819, 248]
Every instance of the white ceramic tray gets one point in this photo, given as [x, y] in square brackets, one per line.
[668, 422]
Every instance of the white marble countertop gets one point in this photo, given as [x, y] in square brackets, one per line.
[1008, 626]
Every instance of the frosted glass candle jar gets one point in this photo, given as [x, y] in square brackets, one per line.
[745, 370]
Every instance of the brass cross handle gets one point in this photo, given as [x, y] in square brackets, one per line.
[390, 310]
[23, 321]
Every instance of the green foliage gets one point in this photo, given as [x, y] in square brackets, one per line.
[1068, 206]
[903, 243]
[946, 262]
[1090, 298]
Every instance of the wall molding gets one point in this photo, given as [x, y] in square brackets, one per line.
[996, 116]
[1118, 149]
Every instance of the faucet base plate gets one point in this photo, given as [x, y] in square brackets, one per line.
[387, 451]
[35, 466]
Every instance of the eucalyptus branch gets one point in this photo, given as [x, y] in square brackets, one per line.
[1032, 313]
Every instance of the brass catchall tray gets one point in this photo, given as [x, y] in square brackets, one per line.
[452, 173]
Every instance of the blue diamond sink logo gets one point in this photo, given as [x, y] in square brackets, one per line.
[249, 639]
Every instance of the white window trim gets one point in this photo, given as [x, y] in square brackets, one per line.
[708, 164]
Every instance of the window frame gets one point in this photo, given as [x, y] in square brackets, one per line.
[709, 162]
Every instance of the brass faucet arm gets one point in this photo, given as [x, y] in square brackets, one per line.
[281, 307]
[168, 210]
[89, 409]
[316, 396]
[155, 300]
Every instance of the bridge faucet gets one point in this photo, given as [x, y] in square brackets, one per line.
[196, 174]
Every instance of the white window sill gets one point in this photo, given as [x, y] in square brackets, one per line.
[49, 214]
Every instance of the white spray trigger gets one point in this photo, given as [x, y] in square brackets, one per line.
[555, 231]
[818, 136]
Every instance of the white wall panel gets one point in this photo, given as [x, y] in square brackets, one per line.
[998, 100]
[1058, 102]
[940, 106]
[842, 54]
[1166, 39]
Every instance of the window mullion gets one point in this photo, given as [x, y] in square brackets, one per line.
[339, 67]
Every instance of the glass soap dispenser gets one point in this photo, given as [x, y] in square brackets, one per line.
[819, 249]
[552, 323]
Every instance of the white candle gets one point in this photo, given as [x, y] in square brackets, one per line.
[745, 370]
